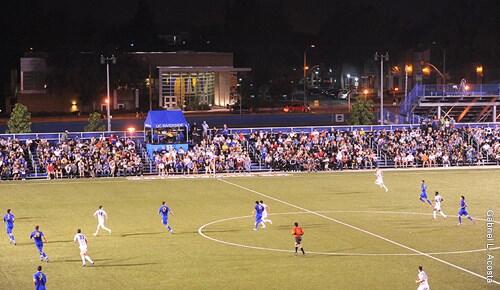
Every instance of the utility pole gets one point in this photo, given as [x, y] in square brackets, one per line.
[382, 58]
[107, 60]
[150, 90]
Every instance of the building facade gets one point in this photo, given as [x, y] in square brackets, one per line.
[194, 80]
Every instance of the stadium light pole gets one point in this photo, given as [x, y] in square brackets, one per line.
[382, 58]
[305, 72]
[107, 60]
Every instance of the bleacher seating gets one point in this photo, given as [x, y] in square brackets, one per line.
[431, 144]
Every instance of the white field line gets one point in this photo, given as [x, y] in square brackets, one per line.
[201, 228]
[243, 174]
[361, 230]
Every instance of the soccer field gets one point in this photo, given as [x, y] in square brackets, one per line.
[357, 236]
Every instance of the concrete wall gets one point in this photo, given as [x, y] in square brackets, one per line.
[223, 83]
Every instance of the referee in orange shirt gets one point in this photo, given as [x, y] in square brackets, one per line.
[297, 233]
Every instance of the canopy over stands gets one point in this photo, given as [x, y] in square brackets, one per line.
[165, 119]
[166, 130]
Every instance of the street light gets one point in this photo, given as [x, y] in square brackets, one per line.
[408, 71]
[365, 93]
[427, 71]
[444, 59]
[107, 60]
[382, 58]
[305, 72]
[479, 73]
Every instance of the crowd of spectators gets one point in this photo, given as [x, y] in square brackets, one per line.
[488, 142]
[216, 152]
[14, 158]
[432, 144]
[318, 150]
[96, 157]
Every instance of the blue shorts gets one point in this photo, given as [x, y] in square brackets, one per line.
[258, 218]
[423, 195]
[39, 247]
[9, 230]
[164, 220]
[463, 212]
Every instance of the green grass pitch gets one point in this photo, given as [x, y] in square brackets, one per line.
[362, 237]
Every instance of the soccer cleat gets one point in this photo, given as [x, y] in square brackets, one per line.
[95, 234]
[84, 265]
[254, 229]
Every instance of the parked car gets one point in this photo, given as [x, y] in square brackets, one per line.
[296, 108]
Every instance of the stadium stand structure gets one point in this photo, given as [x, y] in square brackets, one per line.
[430, 144]
[464, 102]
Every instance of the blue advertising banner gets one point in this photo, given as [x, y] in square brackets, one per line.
[167, 147]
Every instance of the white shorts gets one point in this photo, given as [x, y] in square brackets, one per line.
[264, 215]
[379, 182]
[423, 287]
[100, 224]
[437, 207]
[83, 250]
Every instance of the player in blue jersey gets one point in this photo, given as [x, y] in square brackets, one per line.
[423, 193]
[164, 211]
[39, 279]
[39, 239]
[258, 210]
[463, 211]
[8, 219]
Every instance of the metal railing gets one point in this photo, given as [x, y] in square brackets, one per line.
[419, 91]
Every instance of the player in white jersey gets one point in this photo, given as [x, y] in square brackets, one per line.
[438, 199]
[422, 280]
[265, 213]
[102, 216]
[380, 179]
[82, 242]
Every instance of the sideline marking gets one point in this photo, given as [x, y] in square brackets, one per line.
[201, 228]
[152, 177]
[361, 230]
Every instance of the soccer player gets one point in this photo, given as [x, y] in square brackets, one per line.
[164, 211]
[82, 242]
[438, 199]
[297, 233]
[257, 211]
[380, 179]
[463, 211]
[265, 213]
[39, 239]
[8, 219]
[423, 193]
[102, 216]
[422, 279]
[39, 279]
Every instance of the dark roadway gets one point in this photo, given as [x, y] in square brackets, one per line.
[218, 120]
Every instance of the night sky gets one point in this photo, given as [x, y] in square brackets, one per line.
[258, 32]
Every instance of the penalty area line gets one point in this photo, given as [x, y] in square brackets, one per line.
[359, 229]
